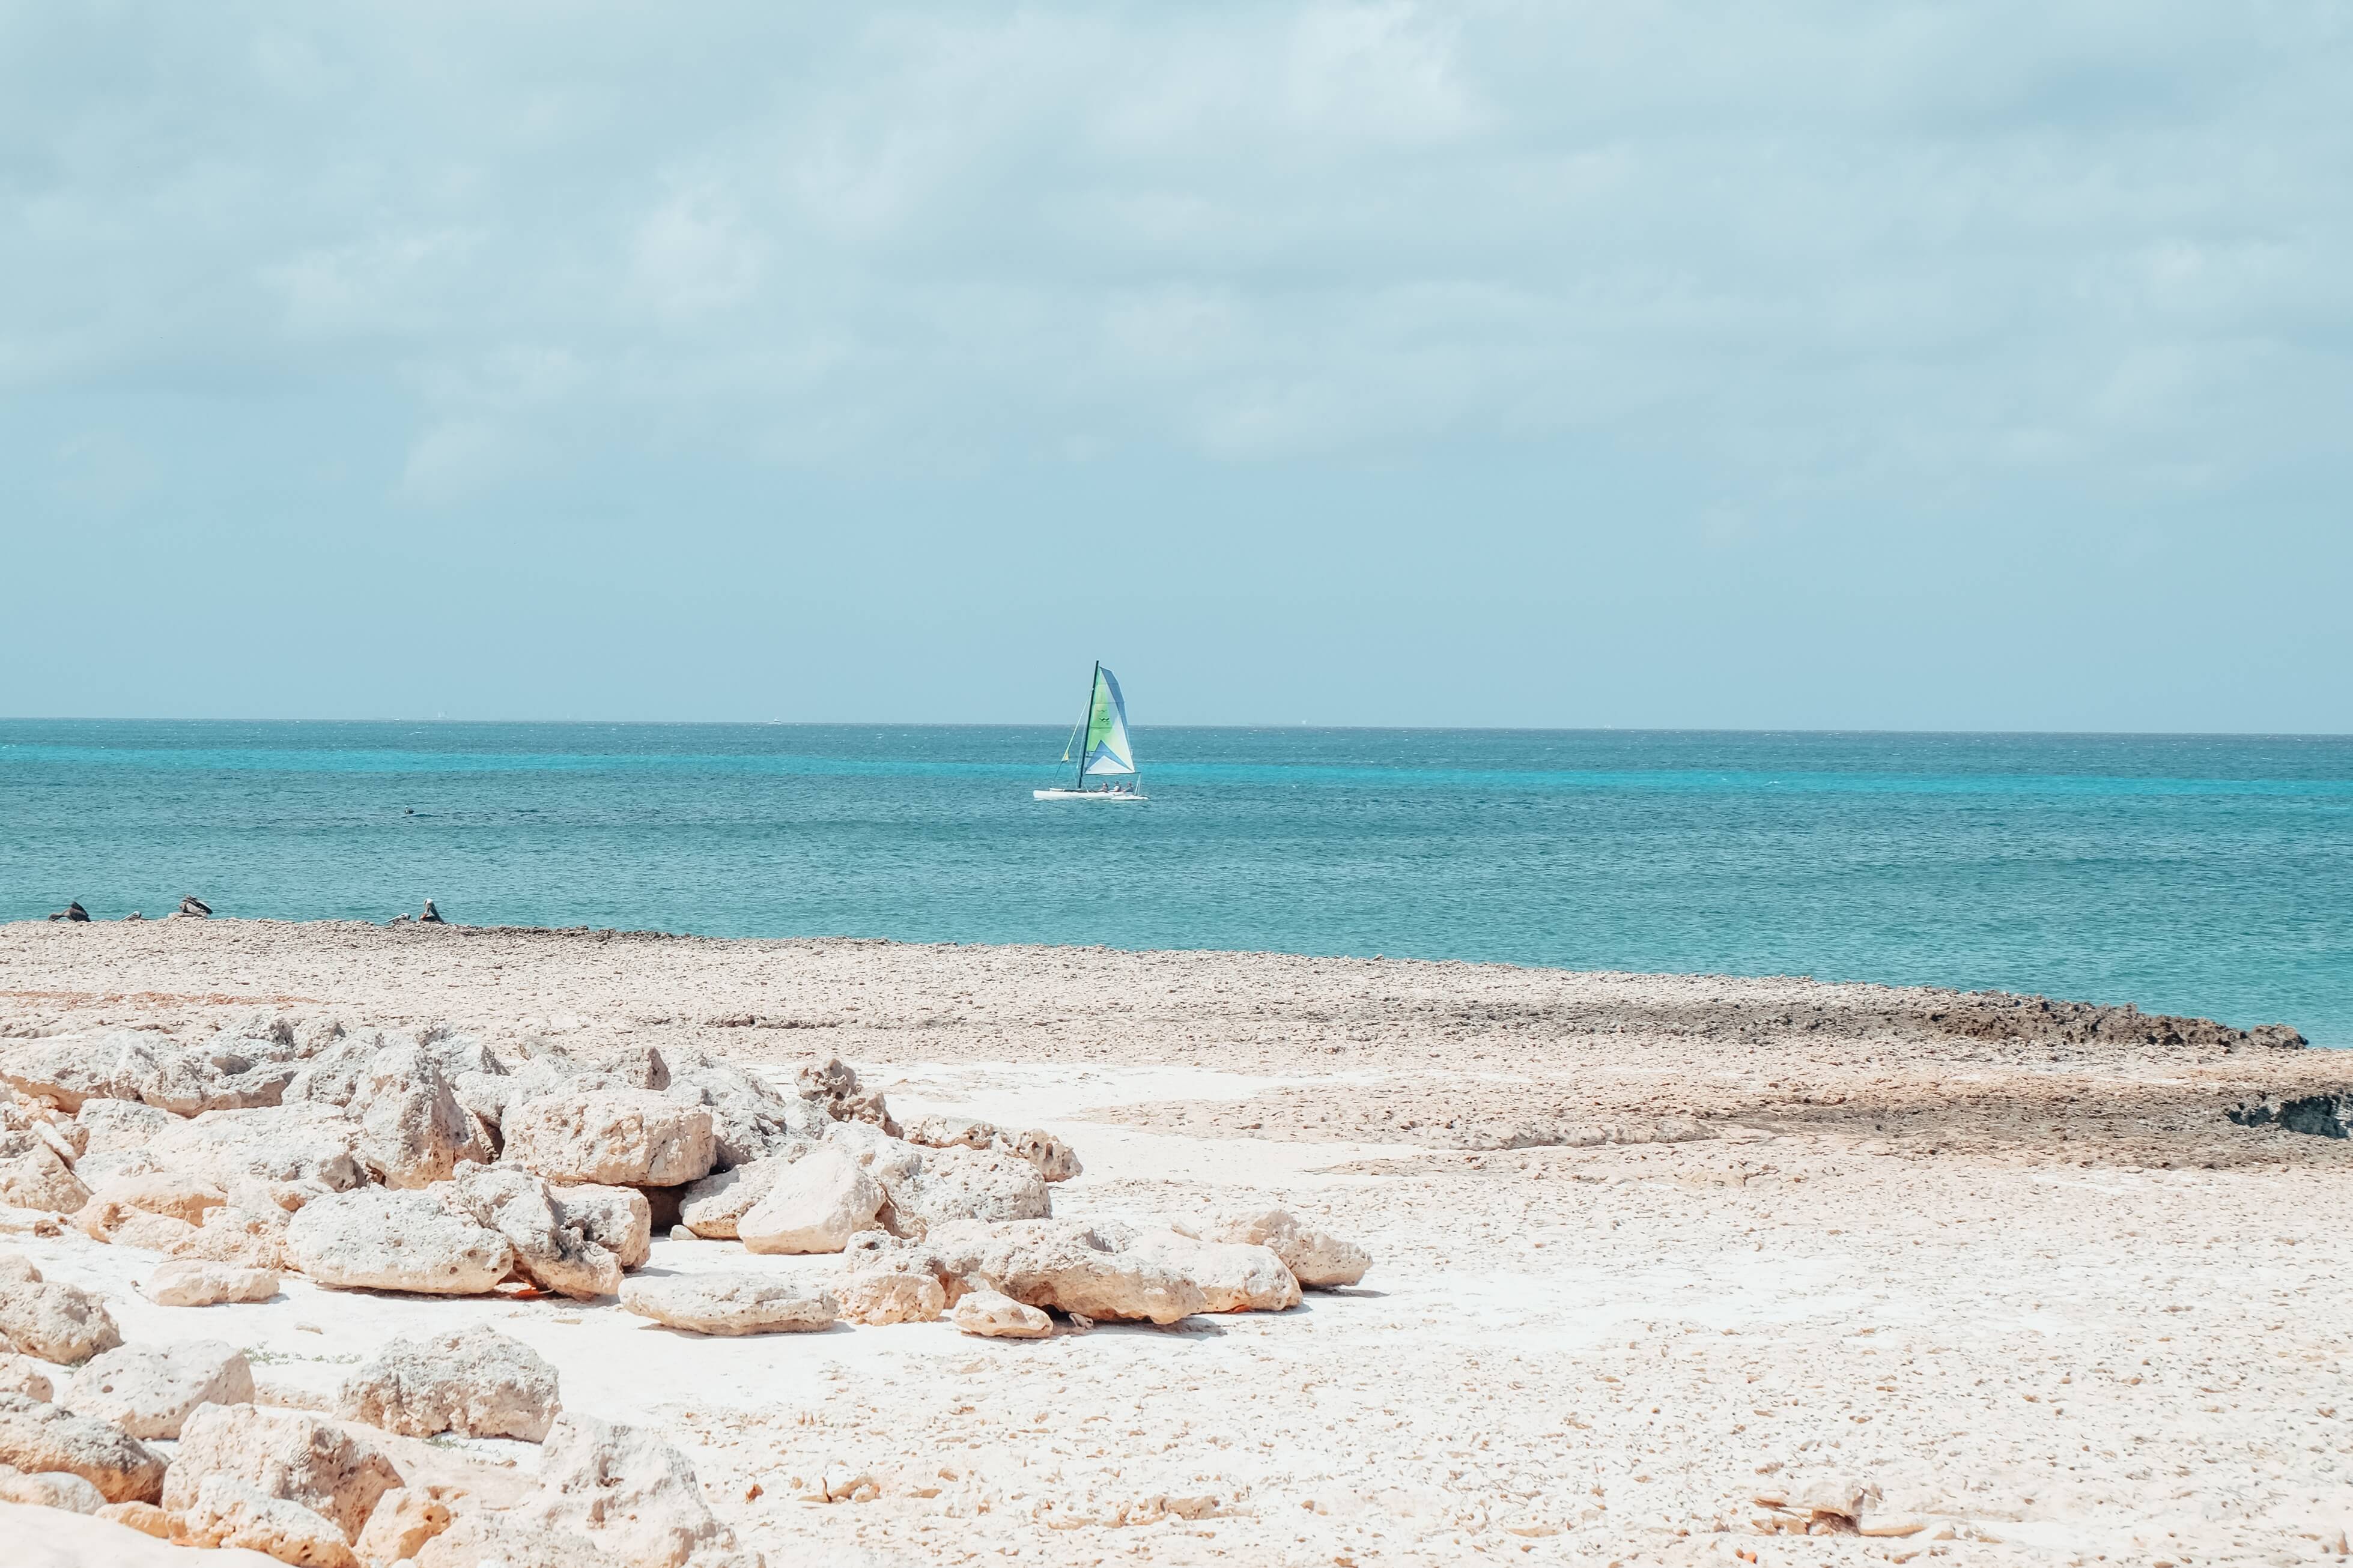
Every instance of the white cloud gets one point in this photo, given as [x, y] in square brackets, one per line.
[1818, 246]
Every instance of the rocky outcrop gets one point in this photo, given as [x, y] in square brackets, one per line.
[2317, 1115]
[36, 1437]
[618, 1219]
[413, 1131]
[23, 1374]
[631, 1495]
[404, 1520]
[50, 1319]
[34, 1175]
[1317, 1259]
[197, 1282]
[51, 1489]
[1065, 1266]
[815, 1204]
[308, 1143]
[963, 1183]
[476, 1540]
[995, 1317]
[225, 1511]
[729, 1303]
[714, 1206]
[749, 1120]
[832, 1085]
[149, 1390]
[875, 1297]
[187, 1199]
[243, 1233]
[476, 1383]
[1234, 1277]
[2000, 1016]
[376, 1240]
[634, 1138]
[283, 1453]
[70, 1069]
[1055, 1159]
[550, 1249]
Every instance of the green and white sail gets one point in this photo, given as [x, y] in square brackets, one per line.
[1105, 751]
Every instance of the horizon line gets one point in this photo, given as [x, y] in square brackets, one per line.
[1241, 726]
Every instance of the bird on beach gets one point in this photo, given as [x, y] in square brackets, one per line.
[431, 917]
[194, 907]
[72, 912]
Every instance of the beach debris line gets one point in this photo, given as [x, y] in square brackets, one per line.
[420, 1161]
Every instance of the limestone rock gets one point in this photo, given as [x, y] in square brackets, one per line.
[225, 1511]
[959, 1184]
[1318, 1260]
[185, 1198]
[36, 1437]
[892, 1295]
[149, 1390]
[618, 1219]
[50, 1319]
[414, 1132]
[195, 1282]
[499, 1541]
[986, 1313]
[813, 1204]
[406, 1518]
[283, 1453]
[729, 1303]
[832, 1085]
[714, 1206]
[631, 1494]
[476, 1383]
[1067, 1265]
[143, 1517]
[375, 1239]
[51, 1489]
[299, 1143]
[549, 1252]
[128, 1064]
[952, 1132]
[119, 1126]
[133, 1227]
[634, 1138]
[749, 1120]
[1234, 1277]
[23, 1374]
[35, 1176]
[235, 1234]
[1055, 1159]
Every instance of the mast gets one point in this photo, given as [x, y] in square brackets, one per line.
[1086, 718]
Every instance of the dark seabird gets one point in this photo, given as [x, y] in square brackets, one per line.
[431, 917]
[72, 912]
[192, 905]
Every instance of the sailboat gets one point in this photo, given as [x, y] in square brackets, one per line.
[1100, 745]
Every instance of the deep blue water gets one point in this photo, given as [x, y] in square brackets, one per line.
[2207, 875]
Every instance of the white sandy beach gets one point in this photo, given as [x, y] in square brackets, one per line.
[2036, 1295]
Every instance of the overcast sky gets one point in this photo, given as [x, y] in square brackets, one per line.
[1875, 365]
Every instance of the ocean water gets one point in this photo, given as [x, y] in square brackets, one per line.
[2205, 875]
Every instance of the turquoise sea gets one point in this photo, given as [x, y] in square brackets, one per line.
[2206, 875]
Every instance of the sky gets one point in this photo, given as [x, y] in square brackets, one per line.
[1643, 363]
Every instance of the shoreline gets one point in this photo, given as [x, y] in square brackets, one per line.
[1654, 1255]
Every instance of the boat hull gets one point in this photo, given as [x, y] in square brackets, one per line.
[1087, 794]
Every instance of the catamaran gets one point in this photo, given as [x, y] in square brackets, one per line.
[1100, 741]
